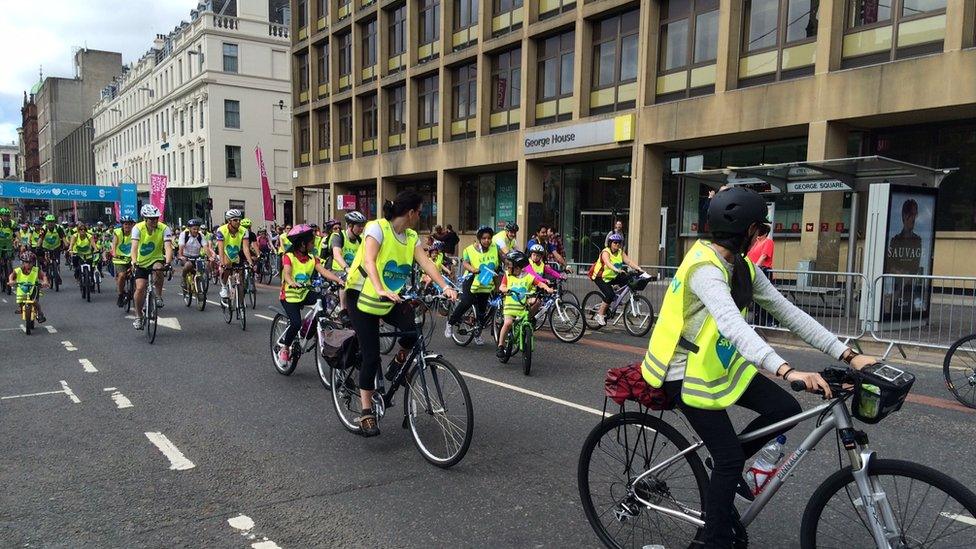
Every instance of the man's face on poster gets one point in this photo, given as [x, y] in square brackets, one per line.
[909, 212]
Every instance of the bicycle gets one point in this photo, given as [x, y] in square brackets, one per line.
[52, 269]
[250, 287]
[959, 370]
[565, 318]
[265, 268]
[6, 267]
[90, 280]
[150, 313]
[196, 285]
[234, 304]
[309, 337]
[129, 290]
[629, 305]
[436, 405]
[521, 338]
[655, 480]
[28, 307]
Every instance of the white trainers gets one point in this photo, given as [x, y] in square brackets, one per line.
[138, 324]
[224, 294]
[478, 340]
[600, 320]
[449, 331]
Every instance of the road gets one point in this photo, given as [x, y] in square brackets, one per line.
[196, 441]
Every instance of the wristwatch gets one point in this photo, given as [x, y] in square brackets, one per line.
[849, 355]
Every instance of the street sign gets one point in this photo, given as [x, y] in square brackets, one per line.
[108, 211]
[816, 186]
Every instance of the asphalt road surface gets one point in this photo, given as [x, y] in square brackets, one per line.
[197, 441]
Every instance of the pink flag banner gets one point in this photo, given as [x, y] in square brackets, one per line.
[157, 192]
[115, 211]
[74, 206]
[269, 206]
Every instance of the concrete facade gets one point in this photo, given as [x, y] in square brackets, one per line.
[9, 160]
[820, 88]
[215, 86]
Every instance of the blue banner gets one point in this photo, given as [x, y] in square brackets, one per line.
[129, 200]
[60, 191]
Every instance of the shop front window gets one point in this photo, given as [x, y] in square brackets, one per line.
[487, 199]
[428, 211]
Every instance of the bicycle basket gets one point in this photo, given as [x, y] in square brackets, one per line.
[638, 283]
[880, 390]
[627, 383]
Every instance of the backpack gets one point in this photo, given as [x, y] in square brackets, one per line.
[186, 235]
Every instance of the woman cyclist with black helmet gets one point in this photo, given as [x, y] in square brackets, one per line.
[706, 357]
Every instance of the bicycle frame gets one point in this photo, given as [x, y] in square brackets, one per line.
[837, 417]
[417, 358]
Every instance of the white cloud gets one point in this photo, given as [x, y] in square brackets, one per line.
[46, 32]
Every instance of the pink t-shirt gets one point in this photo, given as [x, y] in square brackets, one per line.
[760, 248]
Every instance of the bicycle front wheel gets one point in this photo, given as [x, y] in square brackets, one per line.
[201, 290]
[439, 412]
[528, 341]
[278, 327]
[345, 397]
[591, 308]
[252, 294]
[927, 509]
[321, 364]
[386, 343]
[616, 452]
[959, 370]
[151, 320]
[638, 316]
[566, 322]
[241, 309]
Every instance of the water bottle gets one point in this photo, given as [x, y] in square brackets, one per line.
[765, 465]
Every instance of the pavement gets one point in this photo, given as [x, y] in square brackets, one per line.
[196, 441]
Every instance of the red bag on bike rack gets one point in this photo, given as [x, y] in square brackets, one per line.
[627, 383]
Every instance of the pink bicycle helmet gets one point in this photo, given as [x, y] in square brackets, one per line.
[300, 230]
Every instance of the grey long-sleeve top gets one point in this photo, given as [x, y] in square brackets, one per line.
[710, 293]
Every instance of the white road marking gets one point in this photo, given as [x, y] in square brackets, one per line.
[121, 401]
[69, 346]
[5, 300]
[266, 544]
[23, 328]
[61, 392]
[263, 316]
[241, 522]
[170, 322]
[517, 389]
[20, 328]
[70, 393]
[177, 461]
[50, 329]
[109, 389]
[87, 365]
[213, 303]
[965, 519]
[244, 524]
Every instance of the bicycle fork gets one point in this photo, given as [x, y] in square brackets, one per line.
[874, 502]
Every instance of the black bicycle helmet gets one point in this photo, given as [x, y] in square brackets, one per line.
[733, 210]
[484, 229]
[518, 259]
[512, 226]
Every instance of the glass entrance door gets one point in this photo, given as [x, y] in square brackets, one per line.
[594, 227]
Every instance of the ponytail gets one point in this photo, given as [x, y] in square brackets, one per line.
[403, 203]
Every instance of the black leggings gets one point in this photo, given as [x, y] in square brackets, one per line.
[765, 397]
[479, 300]
[294, 313]
[367, 327]
[606, 288]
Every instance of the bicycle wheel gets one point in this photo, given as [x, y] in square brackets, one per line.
[591, 307]
[386, 343]
[566, 322]
[570, 297]
[638, 316]
[438, 409]
[278, 327]
[464, 331]
[424, 318]
[83, 284]
[619, 449]
[528, 341]
[227, 308]
[87, 282]
[252, 293]
[201, 291]
[929, 508]
[28, 314]
[151, 320]
[97, 279]
[345, 397]
[187, 293]
[322, 365]
[129, 293]
[959, 370]
[241, 308]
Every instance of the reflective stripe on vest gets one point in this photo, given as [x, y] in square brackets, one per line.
[716, 374]
[394, 264]
[302, 273]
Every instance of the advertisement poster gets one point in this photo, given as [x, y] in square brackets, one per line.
[909, 247]
[157, 192]
[505, 198]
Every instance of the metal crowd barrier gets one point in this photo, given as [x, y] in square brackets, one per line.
[925, 311]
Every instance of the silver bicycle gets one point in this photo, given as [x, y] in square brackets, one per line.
[642, 483]
[629, 306]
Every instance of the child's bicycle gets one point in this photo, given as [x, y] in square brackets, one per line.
[629, 305]
[521, 338]
[28, 307]
[315, 322]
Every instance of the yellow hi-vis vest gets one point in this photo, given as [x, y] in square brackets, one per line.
[716, 374]
[394, 264]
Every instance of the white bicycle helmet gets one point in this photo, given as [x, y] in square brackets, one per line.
[355, 217]
[232, 213]
[148, 210]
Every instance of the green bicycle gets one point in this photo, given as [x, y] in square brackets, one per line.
[521, 338]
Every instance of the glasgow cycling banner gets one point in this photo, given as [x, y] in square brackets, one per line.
[125, 193]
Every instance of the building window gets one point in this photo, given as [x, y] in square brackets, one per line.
[201, 115]
[504, 19]
[182, 166]
[345, 9]
[869, 12]
[301, 7]
[396, 117]
[774, 25]
[191, 119]
[430, 21]
[478, 203]
[465, 14]
[464, 96]
[322, 7]
[193, 166]
[688, 48]
[232, 114]
[398, 31]
[203, 165]
[556, 73]
[879, 31]
[230, 57]
[615, 62]
[236, 205]
[303, 75]
[428, 102]
[552, 8]
[345, 60]
[324, 126]
[345, 130]
[182, 124]
[506, 81]
[369, 124]
[322, 63]
[233, 155]
[369, 45]
[304, 140]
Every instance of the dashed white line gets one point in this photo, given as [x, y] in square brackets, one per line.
[87, 365]
[213, 303]
[244, 524]
[517, 389]
[50, 329]
[69, 392]
[69, 346]
[61, 392]
[121, 401]
[177, 461]
[266, 544]
[960, 518]
[263, 316]
[5, 300]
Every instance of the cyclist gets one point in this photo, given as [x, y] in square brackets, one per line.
[120, 252]
[51, 241]
[518, 281]
[251, 237]
[231, 241]
[152, 245]
[608, 271]
[343, 246]
[705, 356]
[8, 228]
[481, 261]
[34, 237]
[24, 236]
[82, 246]
[192, 246]
[390, 244]
[436, 254]
[298, 267]
[537, 265]
[22, 278]
[505, 238]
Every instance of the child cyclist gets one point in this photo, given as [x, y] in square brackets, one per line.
[537, 265]
[27, 279]
[436, 254]
[516, 285]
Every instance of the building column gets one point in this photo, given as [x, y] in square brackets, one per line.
[527, 95]
[729, 39]
[298, 205]
[960, 24]
[582, 66]
[826, 140]
[529, 188]
[650, 17]
[448, 198]
[386, 189]
[646, 184]
[830, 37]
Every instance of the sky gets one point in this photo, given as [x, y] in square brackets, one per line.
[47, 32]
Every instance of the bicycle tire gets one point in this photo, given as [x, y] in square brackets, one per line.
[425, 320]
[643, 326]
[570, 297]
[322, 365]
[187, 293]
[963, 386]
[97, 278]
[28, 314]
[252, 294]
[345, 397]
[129, 292]
[83, 283]
[227, 310]
[528, 337]
[386, 343]
[242, 309]
[569, 311]
[278, 327]
[468, 324]
[413, 387]
[944, 519]
[591, 305]
[201, 292]
[150, 322]
[88, 287]
[659, 489]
